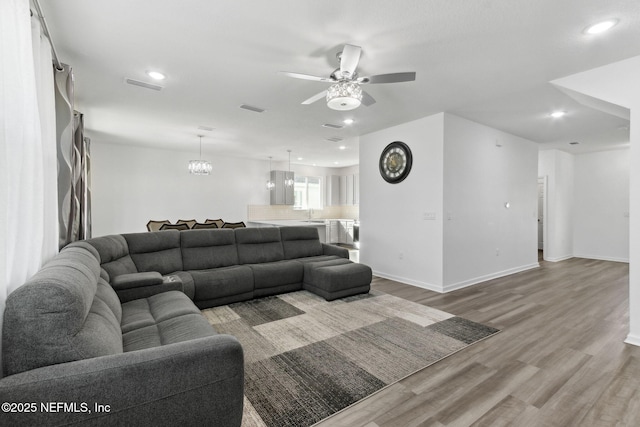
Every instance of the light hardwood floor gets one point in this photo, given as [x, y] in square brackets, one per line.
[559, 359]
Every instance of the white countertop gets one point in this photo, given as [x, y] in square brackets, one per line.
[295, 222]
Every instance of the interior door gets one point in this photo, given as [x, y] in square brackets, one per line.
[541, 197]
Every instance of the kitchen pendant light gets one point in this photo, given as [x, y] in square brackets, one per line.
[289, 180]
[200, 167]
[270, 184]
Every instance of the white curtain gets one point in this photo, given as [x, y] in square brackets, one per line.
[28, 205]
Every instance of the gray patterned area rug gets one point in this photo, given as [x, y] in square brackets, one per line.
[306, 358]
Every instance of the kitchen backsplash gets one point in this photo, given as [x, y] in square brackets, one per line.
[276, 212]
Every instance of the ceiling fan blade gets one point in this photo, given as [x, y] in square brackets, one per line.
[388, 78]
[367, 99]
[315, 98]
[305, 76]
[349, 59]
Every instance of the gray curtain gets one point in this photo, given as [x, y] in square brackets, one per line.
[74, 164]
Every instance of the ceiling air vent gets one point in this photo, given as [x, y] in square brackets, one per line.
[252, 108]
[206, 128]
[334, 139]
[143, 84]
[332, 126]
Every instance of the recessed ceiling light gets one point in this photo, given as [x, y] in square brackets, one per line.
[342, 147]
[300, 158]
[156, 75]
[601, 27]
[347, 121]
[558, 114]
[336, 163]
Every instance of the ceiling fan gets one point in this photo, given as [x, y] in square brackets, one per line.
[345, 93]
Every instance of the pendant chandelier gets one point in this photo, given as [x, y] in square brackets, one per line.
[289, 181]
[270, 184]
[200, 167]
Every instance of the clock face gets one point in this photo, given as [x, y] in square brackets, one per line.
[395, 162]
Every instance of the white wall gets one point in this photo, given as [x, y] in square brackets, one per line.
[484, 169]
[601, 205]
[131, 185]
[458, 173]
[395, 240]
[558, 167]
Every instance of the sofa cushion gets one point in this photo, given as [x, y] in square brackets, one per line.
[114, 255]
[319, 258]
[274, 274]
[61, 314]
[170, 331]
[278, 277]
[155, 251]
[204, 249]
[260, 244]
[145, 312]
[223, 282]
[161, 319]
[299, 242]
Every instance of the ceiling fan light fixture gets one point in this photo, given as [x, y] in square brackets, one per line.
[344, 96]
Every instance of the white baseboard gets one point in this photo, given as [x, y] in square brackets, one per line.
[480, 279]
[406, 281]
[633, 340]
[558, 259]
[603, 258]
[459, 285]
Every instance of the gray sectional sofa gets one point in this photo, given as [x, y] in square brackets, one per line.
[110, 331]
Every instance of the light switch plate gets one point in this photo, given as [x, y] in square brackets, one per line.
[429, 216]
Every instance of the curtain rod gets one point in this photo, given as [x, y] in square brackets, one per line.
[45, 29]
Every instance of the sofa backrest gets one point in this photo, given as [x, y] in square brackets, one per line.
[155, 251]
[260, 244]
[300, 242]
[204, 249]
[65, 312]
[114, 255]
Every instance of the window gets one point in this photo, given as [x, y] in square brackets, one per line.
[307, 192]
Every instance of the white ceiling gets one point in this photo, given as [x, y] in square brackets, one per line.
[490, 61]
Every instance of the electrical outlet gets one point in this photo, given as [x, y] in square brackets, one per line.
[401, 255]
[497, 251]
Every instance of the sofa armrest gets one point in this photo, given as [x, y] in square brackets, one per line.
[129, 288]
[335, 250]
[193, 382]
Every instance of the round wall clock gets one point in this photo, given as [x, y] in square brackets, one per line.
[395, 162]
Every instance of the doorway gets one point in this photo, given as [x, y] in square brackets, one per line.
[542, 209]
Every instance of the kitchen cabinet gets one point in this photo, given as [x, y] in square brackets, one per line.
[280, 193]
[334, 232]
[340, 231]
[333, 190]
[342, 190]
